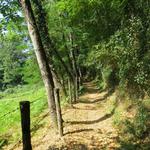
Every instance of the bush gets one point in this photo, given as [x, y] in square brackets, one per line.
[139, 125]
[117, 120]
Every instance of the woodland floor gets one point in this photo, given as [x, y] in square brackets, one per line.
[87, 126]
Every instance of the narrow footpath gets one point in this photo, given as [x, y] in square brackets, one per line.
[87, 126]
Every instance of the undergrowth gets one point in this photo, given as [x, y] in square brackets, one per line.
[132, 120]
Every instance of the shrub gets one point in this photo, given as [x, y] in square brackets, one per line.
[139, 125]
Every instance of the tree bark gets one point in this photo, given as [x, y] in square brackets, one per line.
[75, 70]
[70, 92]
[57, 81]
[47, 41]
[59, 114]
[41, 58]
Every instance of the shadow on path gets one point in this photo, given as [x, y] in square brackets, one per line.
[91, 122]
[70, 146]
[90, 88]
[106, 116]
[110, 92]
[78, 131]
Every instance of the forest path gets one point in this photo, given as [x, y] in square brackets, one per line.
[87, 125]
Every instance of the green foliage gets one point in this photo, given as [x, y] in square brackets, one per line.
[132, 120]
[97, 18]
[117, 120]
[122, 54]
[135, 131]
[139, 126]
[31, 72]
[12, 59]
[81, 90]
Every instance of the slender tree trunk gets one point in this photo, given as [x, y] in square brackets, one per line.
[73, 96]
[57, 81]
[75, 71]
[47, 41]
[63, 82]
[79, 71]
[70, 92]
[41, 58]
[67, 51]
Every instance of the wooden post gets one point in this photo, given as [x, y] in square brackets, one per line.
[70, 91]
[25, 124]
[77, 89]
[74, 91]
[59, 114]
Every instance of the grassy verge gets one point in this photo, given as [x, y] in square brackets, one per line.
[10, 130]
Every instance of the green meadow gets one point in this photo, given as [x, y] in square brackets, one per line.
[10, 127]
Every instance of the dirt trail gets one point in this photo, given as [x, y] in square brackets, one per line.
[87, 126]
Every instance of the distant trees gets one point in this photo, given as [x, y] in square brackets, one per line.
[12, 59]
[30, 70]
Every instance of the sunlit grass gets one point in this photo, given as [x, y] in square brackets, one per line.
[10, 127]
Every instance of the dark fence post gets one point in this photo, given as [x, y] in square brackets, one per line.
[59, 114]
[25, 124]
[77, 96]
[70, 91]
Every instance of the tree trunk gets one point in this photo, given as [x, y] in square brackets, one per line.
[59, 113]
[70, 92]
[47, 41]
[41, 58]
[67, 51]
[57, 81]
[75, 70]
[79, 69]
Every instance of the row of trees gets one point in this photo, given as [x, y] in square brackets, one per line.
[55, 70]
[103, 39]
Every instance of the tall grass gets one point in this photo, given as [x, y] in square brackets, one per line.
[10, 129]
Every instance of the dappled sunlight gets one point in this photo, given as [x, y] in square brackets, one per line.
[86, 126]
